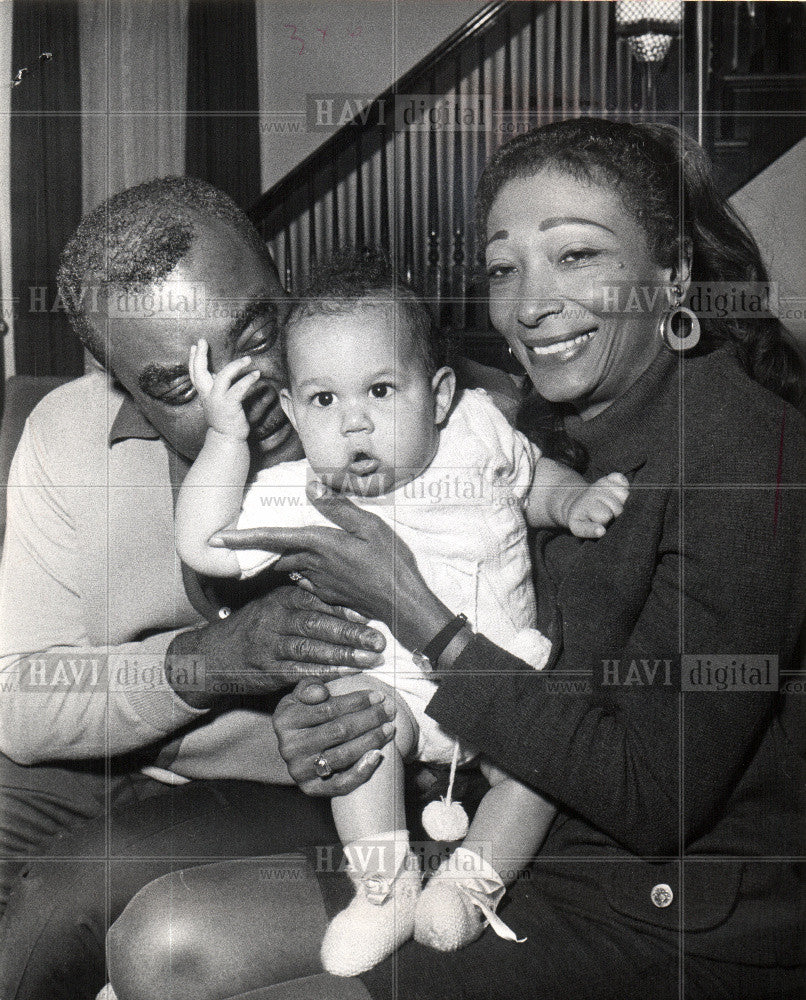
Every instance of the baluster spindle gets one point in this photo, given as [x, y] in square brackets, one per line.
[575, 18]
[458, 308]
[602, 36]
[507, 102]
[459, 282]
[533, 71]
[734, 55]
[482, 149]
[313, 251]
[384, 195]
[628, 61]
[360, 239]
[621, 102]
[408, 210]
[288, 271]
[433, 283]
[334, 204]
[481, 158]
[433, 276]
[551, 47]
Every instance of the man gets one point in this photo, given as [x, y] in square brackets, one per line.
[118, 662]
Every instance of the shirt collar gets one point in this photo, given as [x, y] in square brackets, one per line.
[130, 422]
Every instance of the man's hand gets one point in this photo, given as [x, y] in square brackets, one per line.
[347, 729]
[222, 395]
[595, 507]
[268, 645]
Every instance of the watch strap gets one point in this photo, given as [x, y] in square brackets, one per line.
[431, 653]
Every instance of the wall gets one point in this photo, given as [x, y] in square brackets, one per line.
[773, 206]
[365, 48]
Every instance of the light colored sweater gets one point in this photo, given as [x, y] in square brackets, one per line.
[91, 589]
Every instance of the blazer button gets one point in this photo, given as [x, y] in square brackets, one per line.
[662, 895]
[224, 612]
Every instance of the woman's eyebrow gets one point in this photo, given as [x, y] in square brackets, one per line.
[555, 220]
[565, 220]
[502, 234]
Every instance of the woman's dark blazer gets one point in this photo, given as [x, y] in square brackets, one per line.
[706, 560]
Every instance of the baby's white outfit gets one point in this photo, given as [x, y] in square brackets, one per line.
[463, 520]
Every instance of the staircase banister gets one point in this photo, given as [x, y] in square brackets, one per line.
[335, 144]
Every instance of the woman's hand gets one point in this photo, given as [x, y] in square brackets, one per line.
[347, 729]
[365, 566]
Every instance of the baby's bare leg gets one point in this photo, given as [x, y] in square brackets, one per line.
[371, 822]
[506, 831]
[511, 823]
[376, 806]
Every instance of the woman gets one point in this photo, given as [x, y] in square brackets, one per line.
[671, 868]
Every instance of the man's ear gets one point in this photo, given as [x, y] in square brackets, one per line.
[287, 404]
[443, 385]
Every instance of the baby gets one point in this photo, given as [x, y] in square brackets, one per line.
[378, 416]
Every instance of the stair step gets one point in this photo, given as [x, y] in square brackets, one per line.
[764, 92]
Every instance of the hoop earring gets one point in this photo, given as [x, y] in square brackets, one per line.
[671, 340]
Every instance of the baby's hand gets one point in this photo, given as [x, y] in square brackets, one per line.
[596, 506]
[222, 395]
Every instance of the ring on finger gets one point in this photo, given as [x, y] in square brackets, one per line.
[322, 767]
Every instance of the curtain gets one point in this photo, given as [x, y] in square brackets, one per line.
[133, 93]
[45, 182]
[222, 102]
[6, 287]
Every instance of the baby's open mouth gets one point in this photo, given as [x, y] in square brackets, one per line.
[363, 464]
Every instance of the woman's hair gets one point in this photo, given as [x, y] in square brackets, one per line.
[665, 182]
[353, 279]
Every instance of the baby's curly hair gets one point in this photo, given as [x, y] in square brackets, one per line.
[355, 278]
[136, 238]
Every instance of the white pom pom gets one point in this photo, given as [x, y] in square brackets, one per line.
[445, 821]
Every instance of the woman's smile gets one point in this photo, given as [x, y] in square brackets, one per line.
[558, 350]
[557, 247]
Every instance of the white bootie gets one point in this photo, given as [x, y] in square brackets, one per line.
[459, 901]
[381, 916]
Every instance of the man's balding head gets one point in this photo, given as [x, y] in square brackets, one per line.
[135, 239]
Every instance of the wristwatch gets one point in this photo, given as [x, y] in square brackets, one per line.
[427, 658]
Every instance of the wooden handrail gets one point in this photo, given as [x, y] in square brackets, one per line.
[409, 190]
[343, 137]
